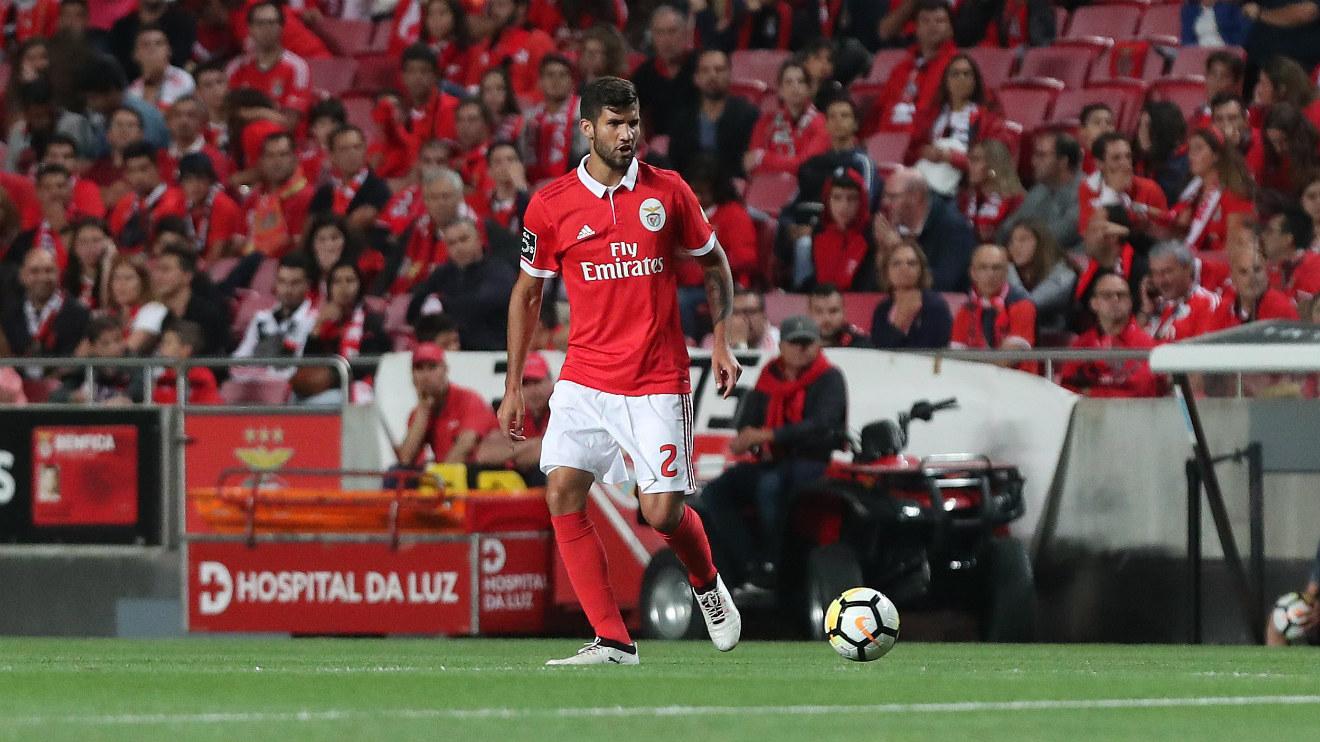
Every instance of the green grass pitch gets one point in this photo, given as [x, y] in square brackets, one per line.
[496, 689]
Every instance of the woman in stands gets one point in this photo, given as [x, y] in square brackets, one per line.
[128, 298]
[88, 268]
[1219, 202]
[963, 111]
[1283, 80]
[1290, 150]
[1037, 266]
[329, 242]
[604, 52]
[443, 26]
[1311, 205]
[345, 327]
[496, 91]
[1160, 149]
[993, 190]
[788, 136]
[912, 316]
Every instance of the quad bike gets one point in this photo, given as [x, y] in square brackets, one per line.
[929, 532]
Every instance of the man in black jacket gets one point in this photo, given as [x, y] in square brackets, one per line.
[910, 210]
[794, 419]
[470, 287]
[718, 124]
[43, 320]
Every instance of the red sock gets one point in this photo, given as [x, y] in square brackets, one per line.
[689, 542]
[584, 559]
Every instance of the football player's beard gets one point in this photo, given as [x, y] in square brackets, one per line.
[616, 161]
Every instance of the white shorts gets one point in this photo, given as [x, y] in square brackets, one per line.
[591, 430]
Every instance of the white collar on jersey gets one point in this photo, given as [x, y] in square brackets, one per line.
[597, 188]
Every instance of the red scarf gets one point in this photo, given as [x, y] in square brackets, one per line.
[41, 325]
[1122, 268]
[346, 190]
[788, 398]
[989, 318]
[200, 218]
[350, 335]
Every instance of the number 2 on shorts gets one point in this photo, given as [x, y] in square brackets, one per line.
[667, 468]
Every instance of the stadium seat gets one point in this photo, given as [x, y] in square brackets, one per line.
[346, 38]
[358, 107]
[758, 64]
[263, 281]
[375, 74]
[752, 90]
[780, 306]
[219, 269]
[255, 391]
[1107, 67]
[864, 94]
[858, 308]
[1161, 24]
[769, 192]
[249, 303]
[1123, 95]
[887, 146]
[1067, 63]
[380, 38]
[883, 63]
[1113, 21]
[996, 64]
[1191, 59]
[1187, 91]
[334, 76]
[1029, 101]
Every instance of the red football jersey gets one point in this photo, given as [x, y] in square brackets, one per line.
[617, 249]
[285, 82]
[1273, 304]
[1184, 318]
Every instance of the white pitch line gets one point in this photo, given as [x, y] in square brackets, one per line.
[330, 715]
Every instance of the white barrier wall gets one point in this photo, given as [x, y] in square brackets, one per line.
[1008, 415]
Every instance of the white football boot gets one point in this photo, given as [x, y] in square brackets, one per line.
[723, 622]
[596, 653]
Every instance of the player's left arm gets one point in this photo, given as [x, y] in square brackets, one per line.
[718, 280]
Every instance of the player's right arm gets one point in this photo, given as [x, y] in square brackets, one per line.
[538, 262]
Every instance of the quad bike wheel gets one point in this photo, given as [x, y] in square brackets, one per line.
[1009, 613]
[669, 611]
[831, 569]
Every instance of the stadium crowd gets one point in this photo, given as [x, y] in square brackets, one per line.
[330, 177]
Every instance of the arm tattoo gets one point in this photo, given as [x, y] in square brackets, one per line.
[719, 288]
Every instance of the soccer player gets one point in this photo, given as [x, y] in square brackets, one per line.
[613, 228]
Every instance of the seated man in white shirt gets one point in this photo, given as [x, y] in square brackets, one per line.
[283, 329]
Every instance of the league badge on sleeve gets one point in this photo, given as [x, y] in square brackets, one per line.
[529, 245]
[652, 214]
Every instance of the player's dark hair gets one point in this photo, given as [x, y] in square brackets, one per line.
[420, 53]
[1298, 224]
[613, 93]
[140, 149]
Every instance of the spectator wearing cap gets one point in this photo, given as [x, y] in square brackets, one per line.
[1115, 328]
[471, 287]
[149, 199]
[825, 306]
[449, 419]
[524, 455]
[268, 67]
[176, 24]
[277, 208]
[185, 119]
[791, 422]
[996, 316]
[354, 191]
[217, 222]
[103, 87]
[910, 211]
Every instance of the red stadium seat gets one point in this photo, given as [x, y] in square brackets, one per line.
[996, 64]
[1113, 21]
[1191, 59]
[858, 308]
[1187, 91]
[263, 281]
[769, 192]
[779, 306]
[887, 146]
[1151, 63]
[1066, 63]
[883, 63]
[752, 90]
[255, 391]
[380, 38]
[758, 64]
[375, 74]
[359, 109]
[1029, 101]
[1123, 95]
[346, 38]
[1162, 24]
[864, 94]
[334, 76]
[218, 269]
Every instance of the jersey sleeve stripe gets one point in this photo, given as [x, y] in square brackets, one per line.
[535, 272]
[697, 252]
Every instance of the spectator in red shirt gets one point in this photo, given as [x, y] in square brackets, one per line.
[1283, 80]
[405, 206]
[268, 67]
[1174, 306]
[295, 36]
[1291, 145]
[1293, 268]
[1224, 74]
[178, 343]
[733, 226]
[513, 44]
[422, 245]
[914, 83]
[791, 134]
[993, 190]
[552, 141]
[277, 208]
[185, 120]
[1217, 211]
[496, 92]
[149, 199]
[996, 316]
[1107, 246]
[1252, 298]
[1115, 328]
[216, 220]
[449, 419]
[524, 455]
[1229, 116]
[1117, 184]
[841, 245]
[25, 20]
[429, 113]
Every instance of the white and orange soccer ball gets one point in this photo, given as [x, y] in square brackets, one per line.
[861, 624]
[1290, 611]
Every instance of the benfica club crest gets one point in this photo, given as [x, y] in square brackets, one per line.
[652, 214]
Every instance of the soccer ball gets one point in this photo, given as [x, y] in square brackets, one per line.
[1288, 614]
[861, 624]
